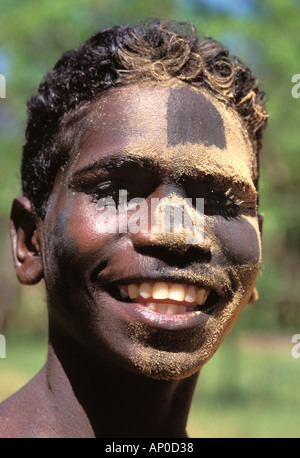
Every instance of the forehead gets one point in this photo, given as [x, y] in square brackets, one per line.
[184, 126]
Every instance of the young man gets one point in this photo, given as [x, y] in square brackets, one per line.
[149, 113]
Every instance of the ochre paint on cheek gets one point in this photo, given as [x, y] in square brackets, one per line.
[238, 238]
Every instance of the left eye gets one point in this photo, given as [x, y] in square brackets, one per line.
[217, 203]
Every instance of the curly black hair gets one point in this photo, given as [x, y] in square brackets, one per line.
[125, 55]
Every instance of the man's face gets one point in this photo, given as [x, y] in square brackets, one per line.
[151, 301]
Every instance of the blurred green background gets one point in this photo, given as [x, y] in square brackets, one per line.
[251, 386]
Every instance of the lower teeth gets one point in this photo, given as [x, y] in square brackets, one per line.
[170, 309]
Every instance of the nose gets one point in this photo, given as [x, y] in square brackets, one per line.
[173, 225]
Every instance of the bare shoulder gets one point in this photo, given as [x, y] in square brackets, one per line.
[23, 414]
[10, 410]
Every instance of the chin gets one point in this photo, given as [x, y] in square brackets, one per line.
[165, 365]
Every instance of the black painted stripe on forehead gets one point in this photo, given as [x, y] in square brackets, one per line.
[192, 118]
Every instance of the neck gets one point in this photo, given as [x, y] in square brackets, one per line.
[104, 400]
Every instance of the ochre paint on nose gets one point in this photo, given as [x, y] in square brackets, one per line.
[172, 189]
[173, 224]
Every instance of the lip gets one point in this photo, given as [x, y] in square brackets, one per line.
[139, 312]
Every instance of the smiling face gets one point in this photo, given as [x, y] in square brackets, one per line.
[151, 302]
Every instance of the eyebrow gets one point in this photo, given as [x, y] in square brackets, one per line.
[124, 159]
[217, 178]
[117, 161]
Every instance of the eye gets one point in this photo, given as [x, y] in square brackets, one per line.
[219, 203]
[111, 191]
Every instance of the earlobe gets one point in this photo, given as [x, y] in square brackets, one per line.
[254, 296]
[25, 237]
[260, 218]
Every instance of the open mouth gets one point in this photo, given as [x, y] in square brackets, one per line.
[165, 298]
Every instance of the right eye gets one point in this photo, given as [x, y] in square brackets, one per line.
[105, 190]
[108, 192]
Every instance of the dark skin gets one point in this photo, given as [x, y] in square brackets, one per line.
[115, 368]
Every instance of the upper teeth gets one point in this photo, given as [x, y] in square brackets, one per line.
[187, 295]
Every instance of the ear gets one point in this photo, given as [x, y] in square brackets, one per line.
[25, 237]
[260, 218]
[254, 296]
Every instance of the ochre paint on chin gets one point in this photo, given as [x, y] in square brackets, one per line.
[150, 352]
[168, 355]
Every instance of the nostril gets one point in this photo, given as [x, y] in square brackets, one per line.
[175, 254]
[196, 254]
[203, 245]
[178, 243]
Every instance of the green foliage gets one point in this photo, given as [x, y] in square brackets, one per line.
[248, 390]
[33, 34]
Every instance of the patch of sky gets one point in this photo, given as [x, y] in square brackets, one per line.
[248, 50]
[237, 8]
[5, 64]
